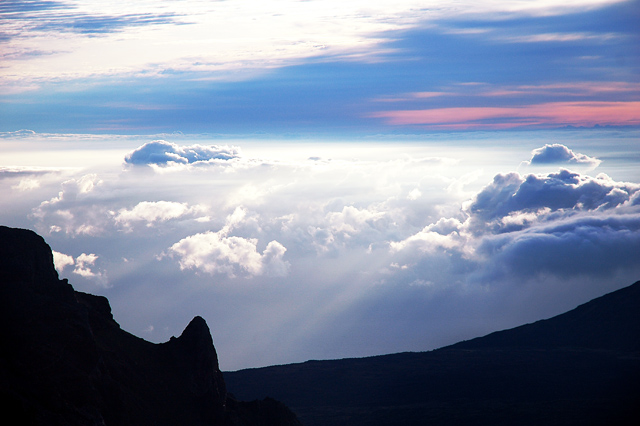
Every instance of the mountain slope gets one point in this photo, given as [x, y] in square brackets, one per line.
[578, 368]
[65, 361]
[610, 322]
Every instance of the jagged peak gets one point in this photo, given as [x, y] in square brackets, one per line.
[197, 326]
[65, 360]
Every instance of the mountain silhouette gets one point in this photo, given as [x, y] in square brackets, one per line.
[65, 361]
[578, 368]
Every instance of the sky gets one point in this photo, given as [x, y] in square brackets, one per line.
[326, 179]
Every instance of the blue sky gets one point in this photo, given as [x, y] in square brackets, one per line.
[322, 179]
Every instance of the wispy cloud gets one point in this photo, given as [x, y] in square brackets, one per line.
[552, 114]
[44, 40]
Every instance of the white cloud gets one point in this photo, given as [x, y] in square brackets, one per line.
[61, 260]
[351, 219]
[74, 188]
[219, 253]
[414, 194]
[85, 265]
[563, 223]
[73, 211]
[222, 39]
[561, 193]
[27, 184]
[560, 154]
[163, 153]
[444, 234]
[84, 262]
[152, 212]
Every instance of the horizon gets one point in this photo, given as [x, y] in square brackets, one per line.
[322, 180]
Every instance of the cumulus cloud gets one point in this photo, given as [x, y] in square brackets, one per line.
[220, 253]
[335, 230]
[72, 210]
[351, 219]
[562, 223]
[84, 262]
[511, 198]
[560, 154]
[444, 234]
[84, 266]
[163, 153]
[152, 212]
[61, 260]
[27, 184]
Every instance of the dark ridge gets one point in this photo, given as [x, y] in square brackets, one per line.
[578, 368]
[609, 322]
[64, 360]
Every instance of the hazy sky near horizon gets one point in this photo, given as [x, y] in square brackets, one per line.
[323, 179]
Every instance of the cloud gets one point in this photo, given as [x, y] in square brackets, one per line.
[560, 154]
[22, 133]
[61, 260]
[351, 219]
[550, 114]
[594, 246]
[152, 212]
[563, 224]
[382, 242]
[443, 235]
[27, 185]
[247, 34]
[85, 265]
[164, 153]
[546, 196]
[13, 171]
[73, 211]
[65, 16]
[219, 253]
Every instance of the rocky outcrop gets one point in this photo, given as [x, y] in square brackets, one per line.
[66, 361]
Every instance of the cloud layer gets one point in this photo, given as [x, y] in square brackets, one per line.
[330, 250]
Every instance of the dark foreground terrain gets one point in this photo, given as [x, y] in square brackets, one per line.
[65, 361]
[578, 368]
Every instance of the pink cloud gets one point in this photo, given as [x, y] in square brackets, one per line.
[545, 114]
[585, 88]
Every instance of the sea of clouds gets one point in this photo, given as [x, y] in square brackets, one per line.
[293, 258]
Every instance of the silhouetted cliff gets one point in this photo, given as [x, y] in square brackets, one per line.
[65, 361]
